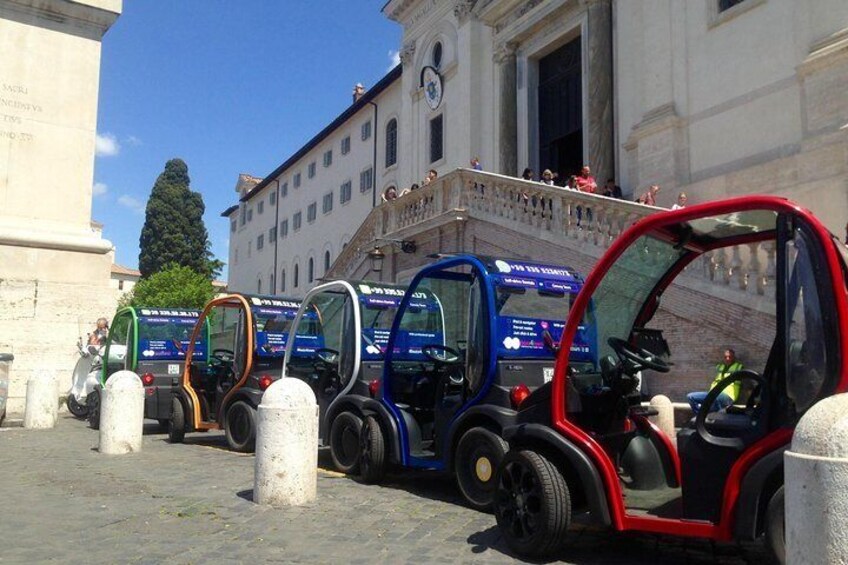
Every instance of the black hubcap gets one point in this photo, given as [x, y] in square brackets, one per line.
[519, 500]
[240, 425]
[348, 444]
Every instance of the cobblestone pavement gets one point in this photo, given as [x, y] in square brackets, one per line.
[63, 501]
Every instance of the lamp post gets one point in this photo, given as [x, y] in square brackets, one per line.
[376, 257]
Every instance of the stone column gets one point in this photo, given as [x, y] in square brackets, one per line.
[508, 109]
[599, 111]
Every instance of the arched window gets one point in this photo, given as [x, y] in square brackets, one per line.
[437, 55]
[310, 272]
[296, 275]
[283, 280]
[326, 261]
[259, 285]
[391, 142]
[273, 289]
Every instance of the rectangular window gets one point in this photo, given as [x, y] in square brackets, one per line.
[260, 242]
[284, 190]
[344, 192]
[366, 179]
[284, 229]
[296, 180]
[249, 215]
[345, 145]
[391, 143]
[272, 234]
[311, 212]
[296, 221]
[366, 130]
[273, 199]
[436, 139]
[727, 4]
[311, 170]
[261, 207]
[328, 202]
[243, 214]
[233, 225]
[328, 158]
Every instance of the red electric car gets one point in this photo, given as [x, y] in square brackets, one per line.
[583, 444]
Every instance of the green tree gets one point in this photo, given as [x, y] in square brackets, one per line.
[173, 230]
[173, 287]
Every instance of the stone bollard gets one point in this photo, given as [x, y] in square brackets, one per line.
[665, 419]
[286, 472]
[816, 472]
[42, 402]
[121, 414]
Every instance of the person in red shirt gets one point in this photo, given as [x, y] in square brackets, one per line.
[585, 180]
[585, 183]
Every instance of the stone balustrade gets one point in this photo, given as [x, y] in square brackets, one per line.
[563, 216]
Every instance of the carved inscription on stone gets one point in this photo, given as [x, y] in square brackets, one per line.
[16, 109]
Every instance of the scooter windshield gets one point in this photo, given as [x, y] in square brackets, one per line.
[272, 327]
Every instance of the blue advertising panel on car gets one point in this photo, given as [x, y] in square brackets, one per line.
[522, 336]
[165, 334]
[423, 322]
[273, 318]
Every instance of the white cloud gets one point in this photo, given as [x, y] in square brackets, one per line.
[132, 140]
[131, 202]
[106, 145]
[394, 57]
[99, 189]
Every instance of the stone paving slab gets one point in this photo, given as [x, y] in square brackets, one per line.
[62, 501]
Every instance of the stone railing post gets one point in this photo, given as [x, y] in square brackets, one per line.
[816, 472]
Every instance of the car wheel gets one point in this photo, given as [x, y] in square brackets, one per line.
[478, 454]
[344, 442]
[372, 451]
[176, 425]
[240, 427]
[532, 504]
[775, 527]
[92, 402]
[78, 410]
[163, 424]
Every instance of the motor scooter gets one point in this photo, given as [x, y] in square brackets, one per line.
[85, 377]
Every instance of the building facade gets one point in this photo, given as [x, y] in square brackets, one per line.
[716, 98]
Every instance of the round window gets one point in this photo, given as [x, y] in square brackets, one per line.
[437, 54]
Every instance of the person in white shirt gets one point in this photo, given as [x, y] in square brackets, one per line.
[681, 201]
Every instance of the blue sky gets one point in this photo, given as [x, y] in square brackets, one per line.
[229, 87]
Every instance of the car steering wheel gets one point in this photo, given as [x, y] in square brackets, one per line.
[327, 356]
[636, 357]
[224, 355]
[441, 354]
[712, 395]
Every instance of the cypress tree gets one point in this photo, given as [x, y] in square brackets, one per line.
[173, 230]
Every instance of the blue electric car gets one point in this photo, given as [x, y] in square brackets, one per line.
[473, 336]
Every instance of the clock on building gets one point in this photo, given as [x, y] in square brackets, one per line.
[431, 81]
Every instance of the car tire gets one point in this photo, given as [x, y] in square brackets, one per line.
[240, 427]
[344, 442]
[372, 451]
[532, 504]
[477, 457]
[176, 424]
[164, 423]
[78, 410]
[92, 402]
[775, 527]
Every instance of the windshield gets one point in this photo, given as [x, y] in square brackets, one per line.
[626, 286]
